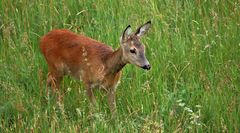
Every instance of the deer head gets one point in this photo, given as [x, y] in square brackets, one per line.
[133, 49]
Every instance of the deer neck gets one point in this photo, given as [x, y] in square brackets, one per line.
[115, 61]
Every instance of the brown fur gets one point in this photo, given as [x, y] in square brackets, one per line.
[91, 61]
[95, 63]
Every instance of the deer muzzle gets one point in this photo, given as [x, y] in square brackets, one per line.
[147, 67]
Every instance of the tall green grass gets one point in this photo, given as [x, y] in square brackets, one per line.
[193, 47]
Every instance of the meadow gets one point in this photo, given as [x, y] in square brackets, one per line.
[193, 85]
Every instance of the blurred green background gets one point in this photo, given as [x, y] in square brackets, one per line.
[193, 47]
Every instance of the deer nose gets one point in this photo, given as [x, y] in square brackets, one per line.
[148, 67]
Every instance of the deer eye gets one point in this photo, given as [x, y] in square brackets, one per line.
[133, 51]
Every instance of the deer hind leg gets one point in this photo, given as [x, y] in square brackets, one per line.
[53, 80]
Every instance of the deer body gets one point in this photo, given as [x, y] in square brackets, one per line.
[95, 63]
[81, 57]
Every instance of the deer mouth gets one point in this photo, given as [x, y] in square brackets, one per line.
[146, 67]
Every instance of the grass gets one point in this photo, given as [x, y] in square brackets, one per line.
[193, 47]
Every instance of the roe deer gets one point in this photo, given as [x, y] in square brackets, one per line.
[95, 63]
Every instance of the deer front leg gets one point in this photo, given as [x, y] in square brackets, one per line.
[111, 101]
[90, 95]
[92, 100]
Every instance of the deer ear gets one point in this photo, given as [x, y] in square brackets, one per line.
[126, 33]
[143, 29]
